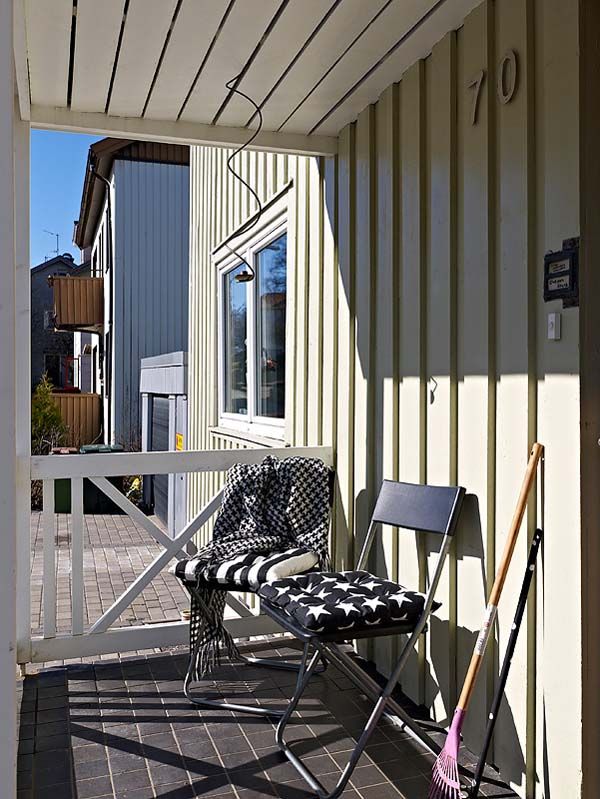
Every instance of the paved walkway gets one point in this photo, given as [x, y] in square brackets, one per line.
[116, 550]
[122, 729]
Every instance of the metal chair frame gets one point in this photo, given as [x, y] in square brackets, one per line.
[283, 665]
[326, 646]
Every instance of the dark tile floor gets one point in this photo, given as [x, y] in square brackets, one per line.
[122, 729]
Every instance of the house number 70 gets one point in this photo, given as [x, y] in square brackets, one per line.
[506, 86]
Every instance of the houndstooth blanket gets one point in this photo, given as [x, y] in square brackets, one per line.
[266, 508]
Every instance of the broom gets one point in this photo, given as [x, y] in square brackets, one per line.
[445, 783]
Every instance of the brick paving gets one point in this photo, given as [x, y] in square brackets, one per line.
[116, 550]
[122, 729]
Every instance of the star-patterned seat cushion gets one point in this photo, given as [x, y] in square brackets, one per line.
[328, 602]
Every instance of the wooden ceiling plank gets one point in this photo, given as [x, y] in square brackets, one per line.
[243, 29]
[148, 23]
[291, 31]
[48, 46]
[386, 30]
[449, 16]
[346, 22]
[194, 30]
[96, 41]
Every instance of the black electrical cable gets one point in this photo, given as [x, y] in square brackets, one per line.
[250, 274]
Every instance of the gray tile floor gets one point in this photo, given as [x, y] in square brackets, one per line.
[122, 729]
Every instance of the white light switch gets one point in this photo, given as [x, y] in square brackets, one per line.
[554, 327]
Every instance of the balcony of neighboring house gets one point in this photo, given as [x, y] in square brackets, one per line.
[78, 303]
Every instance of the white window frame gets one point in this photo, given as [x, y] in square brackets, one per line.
[272, 225]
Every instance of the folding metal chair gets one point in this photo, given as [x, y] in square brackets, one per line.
[196, 697]
[291, 603]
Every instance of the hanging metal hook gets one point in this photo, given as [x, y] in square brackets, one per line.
[432, 390]
[247, 274]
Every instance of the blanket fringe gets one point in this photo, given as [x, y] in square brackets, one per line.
[208, 657]
[209, 639]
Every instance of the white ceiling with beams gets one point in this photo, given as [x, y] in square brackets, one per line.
[158, 68]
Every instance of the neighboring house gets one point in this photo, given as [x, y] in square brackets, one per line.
[417, 344]
[139, 244]
[51, 350]
[87, 351]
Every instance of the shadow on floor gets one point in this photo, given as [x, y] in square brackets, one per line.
[122, 729]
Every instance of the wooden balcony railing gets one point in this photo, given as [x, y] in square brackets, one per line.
[78, 303]
[82, 414]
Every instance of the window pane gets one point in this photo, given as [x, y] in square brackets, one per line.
[270, 314]
[236, 389]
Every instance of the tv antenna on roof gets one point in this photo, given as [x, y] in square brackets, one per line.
[50, 233]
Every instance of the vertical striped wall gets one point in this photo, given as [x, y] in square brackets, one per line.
[151, 233]
[420, 351]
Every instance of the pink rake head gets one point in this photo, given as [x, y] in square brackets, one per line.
[444, 780]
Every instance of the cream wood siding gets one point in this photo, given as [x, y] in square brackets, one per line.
[417, 346]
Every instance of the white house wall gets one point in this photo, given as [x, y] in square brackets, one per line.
[151, 233]
[419, 349]
[99, 264]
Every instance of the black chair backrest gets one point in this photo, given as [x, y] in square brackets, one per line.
[331, 487]
[432, 509]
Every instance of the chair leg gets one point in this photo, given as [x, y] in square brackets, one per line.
[255, 711]
[283, 665]
[384, 705]
[398, 716]
[221, 705]
[306, 671]
[262, 662]
[316, 786]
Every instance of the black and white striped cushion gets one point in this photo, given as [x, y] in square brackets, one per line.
[246, 572]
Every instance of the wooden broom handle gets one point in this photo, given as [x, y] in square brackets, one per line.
[515, 525]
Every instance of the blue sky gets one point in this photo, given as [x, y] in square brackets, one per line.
[57, 170]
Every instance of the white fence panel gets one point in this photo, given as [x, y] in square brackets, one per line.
[101, 637]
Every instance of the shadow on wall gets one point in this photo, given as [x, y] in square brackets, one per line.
[440, 695]
[470, 557]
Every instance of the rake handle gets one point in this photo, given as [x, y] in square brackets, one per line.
[492, 607]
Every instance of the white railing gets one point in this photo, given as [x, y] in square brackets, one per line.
[101, 637]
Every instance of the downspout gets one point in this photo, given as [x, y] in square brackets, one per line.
[110, 271]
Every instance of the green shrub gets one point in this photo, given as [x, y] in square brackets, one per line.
[47, 427]
[47, 430]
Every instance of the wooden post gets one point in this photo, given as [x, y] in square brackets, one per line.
[589, 321]
[8, 462]
[23, 387]
[172, 477]
[77, 535]
[146, 443]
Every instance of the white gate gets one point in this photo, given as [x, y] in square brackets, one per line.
[101, 637]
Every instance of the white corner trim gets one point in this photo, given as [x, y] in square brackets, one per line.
[191, 133]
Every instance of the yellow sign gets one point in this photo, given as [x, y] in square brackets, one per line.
[178, 442]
